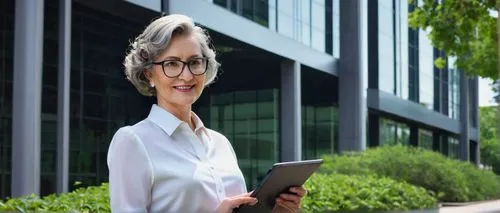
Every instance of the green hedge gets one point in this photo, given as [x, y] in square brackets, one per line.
[325, 193]
[450, 180]
[90, 199]
[336, 192]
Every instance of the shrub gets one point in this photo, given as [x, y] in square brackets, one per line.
[90, 199]
[326, 193]
[337, 192]
[449, 180]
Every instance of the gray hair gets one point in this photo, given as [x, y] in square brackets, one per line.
[154, 40]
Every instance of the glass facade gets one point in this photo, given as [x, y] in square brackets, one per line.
[319, 114]
[243, 104]
[245, 107]
[250, 121]
[6, 77]
[386, 58]
[311, 22]
[425, 71]
[394, 46]
[402, 49]
[392, 132]
[405, 56]
[49, 99]
[101, 99]
[255, 10]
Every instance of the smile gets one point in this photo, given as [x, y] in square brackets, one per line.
[184, 88]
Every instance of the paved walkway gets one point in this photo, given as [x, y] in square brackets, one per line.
[485, 207]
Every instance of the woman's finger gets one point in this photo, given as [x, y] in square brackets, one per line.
[238, 201]
[289, 205]
[300, 191]
[291, 197]
[243, 195]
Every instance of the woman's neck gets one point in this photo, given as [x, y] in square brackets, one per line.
[183, 113]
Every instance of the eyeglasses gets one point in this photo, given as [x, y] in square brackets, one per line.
[173, 68]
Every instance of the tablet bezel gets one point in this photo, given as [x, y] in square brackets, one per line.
[275, 166]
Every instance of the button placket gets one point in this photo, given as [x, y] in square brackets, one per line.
[201, 151]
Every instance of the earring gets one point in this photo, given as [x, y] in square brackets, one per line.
[152, 85]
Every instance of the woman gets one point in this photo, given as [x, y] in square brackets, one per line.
[170, 162]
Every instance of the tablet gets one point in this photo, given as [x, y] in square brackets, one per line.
[278, 180]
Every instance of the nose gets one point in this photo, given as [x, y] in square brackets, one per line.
[186, 75]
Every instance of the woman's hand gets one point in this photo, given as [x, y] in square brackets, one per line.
[230, 203]
[287, 203]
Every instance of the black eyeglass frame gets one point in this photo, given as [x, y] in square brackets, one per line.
[184, 64]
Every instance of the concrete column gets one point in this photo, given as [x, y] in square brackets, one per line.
[475, 101]
[351, 102]
[63, 95]
[291, 125]
[464, 117]
[28, 56]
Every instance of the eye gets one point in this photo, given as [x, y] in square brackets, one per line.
[196, 62]
[171, 64]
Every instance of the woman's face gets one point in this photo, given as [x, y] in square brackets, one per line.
[184, 89]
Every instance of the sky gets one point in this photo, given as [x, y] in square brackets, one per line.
[485, 93]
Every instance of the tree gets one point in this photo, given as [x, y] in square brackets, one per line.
[466, 30]
[489, 147]
[461, 28]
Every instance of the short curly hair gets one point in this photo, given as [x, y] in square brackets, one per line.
[154, 40]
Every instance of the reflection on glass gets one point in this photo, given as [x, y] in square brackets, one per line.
[250, 121]
[453, 149]
[318, 24]
[305, 21]
[392, 132]
[101, 100]
[453, 89]
[319, 131]
[402, 84]
[285, 18]
[425, 139]
[336, 29]
[386, 47]
[426, 71]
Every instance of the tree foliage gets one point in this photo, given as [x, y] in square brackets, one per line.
[489, 147]
[463, 29]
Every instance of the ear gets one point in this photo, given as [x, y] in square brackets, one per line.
[148, 75]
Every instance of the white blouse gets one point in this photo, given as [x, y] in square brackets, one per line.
[161, 165]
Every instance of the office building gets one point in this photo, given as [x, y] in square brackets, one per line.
[299, 79]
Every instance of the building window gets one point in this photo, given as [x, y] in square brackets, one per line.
[425, 139]
[386, 43]
[402, 48]
[453, 90]
[319, 131]
[319, 113]
[392, 132]
[255, 10]
[453, 147]
[250, 121]
[311, 22]
[426, 71]
[101, 100]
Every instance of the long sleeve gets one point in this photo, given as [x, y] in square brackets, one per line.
[130, 173]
